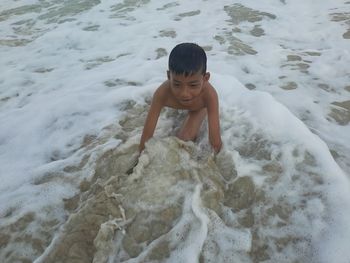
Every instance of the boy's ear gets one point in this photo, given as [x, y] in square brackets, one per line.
[207, 76]
[168, 74]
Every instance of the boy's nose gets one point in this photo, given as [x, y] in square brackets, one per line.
[185, 93]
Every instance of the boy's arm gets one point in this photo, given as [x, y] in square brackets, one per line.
[214, 120]
[152, 117]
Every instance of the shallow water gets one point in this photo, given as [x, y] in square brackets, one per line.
[77, 77]
[180, 204]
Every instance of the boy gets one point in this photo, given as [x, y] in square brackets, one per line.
[187, 87]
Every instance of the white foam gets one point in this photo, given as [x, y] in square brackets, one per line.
[189, 250]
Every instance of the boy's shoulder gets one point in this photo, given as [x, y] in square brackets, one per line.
[163, 90]
[161, 94]
[210, 91]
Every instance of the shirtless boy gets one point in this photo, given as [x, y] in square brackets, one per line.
[188, 88]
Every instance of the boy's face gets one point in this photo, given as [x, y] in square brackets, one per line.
[187, 88]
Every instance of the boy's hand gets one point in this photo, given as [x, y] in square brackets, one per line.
[216, 143]
[216, 147]
[133, 162]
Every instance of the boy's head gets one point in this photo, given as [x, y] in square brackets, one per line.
[187, 59]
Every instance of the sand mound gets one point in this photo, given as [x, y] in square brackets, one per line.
[152, 210]
[178, 205]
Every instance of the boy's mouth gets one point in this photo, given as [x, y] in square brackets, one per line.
[185, 100]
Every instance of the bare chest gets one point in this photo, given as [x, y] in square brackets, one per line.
[195, 105]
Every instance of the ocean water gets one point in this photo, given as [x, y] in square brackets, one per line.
[75, 85]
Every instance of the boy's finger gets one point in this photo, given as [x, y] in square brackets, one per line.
[135, 161]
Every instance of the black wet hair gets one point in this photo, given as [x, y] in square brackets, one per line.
[187, 59]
